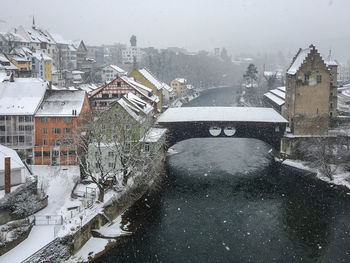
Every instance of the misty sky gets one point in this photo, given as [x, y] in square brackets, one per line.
[238, 25]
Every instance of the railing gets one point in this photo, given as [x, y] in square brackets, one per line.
[40, 220]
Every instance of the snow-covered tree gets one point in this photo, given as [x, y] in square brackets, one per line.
[251, 75]
[113, 150]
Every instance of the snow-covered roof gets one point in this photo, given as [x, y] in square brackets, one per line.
[151, 78]
[38, 35]
[224, 114]
[154, 135]
[136, 107]
[76, 72]
[141, 88]
[6, 64]
[12, 36]
[275, 98]
[282, 88]
[299, 60]
[278, 93]
[21, 97]
[16, 162]
[3, 76]
[61, 103]
[181, 80]
[118, 69]
[167, 87]
[139, 103]
[60, 40]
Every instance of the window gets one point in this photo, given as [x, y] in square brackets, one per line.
[2, 118]
[306, 79]
[21, 139]
[110, 154]
[67, 130]
[146, 147]
[37, 154]
[319, 78]
[64, 153]
[331, 105]
[110, 165]
[21, 127]
[46, 153]
[56, 130]
[67, 141]
[28, 118]
[72, 153]
[45, 131]
[57, 142]
[28, 127]
[55, 153]
[97, 165]
[2, 128]
[21, 119]
[45, 142]
[56, 120]
[67, 120]
[119, 84]
[45, 119]
[105, 96]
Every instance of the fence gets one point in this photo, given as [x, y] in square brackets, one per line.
[40, 220]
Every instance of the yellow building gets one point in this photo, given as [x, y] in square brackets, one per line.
[145, 77]
[180, 86]
[22, 63]
[311, 93]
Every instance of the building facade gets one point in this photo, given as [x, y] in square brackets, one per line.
[311, 93]
[19, 101]
[103, 97]
[57, 123]
[145, 77]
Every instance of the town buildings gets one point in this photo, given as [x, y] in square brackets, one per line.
[19, 101]
[102, 98]
[311, 93]
[180, 86]
[56, 124]
[145, 77]
[125, 124]
[111, 72]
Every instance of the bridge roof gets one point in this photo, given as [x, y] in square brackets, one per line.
[221, 114]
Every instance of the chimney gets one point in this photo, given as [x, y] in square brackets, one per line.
[12, 77]
[7, 175]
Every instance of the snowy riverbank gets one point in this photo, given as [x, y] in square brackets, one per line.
[341, 177]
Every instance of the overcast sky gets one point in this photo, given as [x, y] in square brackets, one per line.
[239, 25]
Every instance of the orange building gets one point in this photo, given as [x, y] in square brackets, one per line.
[56, 125]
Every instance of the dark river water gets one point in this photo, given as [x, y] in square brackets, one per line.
[225, 200]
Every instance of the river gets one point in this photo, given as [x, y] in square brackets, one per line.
[225, 200]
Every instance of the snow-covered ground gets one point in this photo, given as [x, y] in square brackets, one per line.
[57, 182]
[92, 247]
[340, 176]
[39, 236]
[114, 229]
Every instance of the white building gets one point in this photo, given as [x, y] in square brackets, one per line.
[19, 101]
[18, 169]
[129, 53]
[111, 72]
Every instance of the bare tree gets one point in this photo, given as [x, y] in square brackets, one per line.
[113, 150]
[324, 153]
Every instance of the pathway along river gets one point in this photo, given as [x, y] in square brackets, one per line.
[226, 201]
